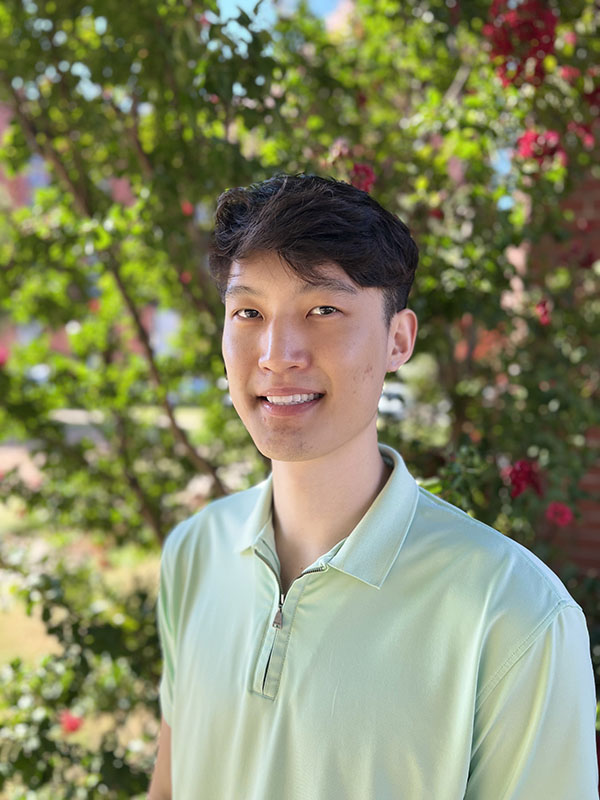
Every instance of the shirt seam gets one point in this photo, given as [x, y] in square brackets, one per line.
[519, 651]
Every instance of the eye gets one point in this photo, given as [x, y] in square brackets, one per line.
[247, 313]
[324, 311]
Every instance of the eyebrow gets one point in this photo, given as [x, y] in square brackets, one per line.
[329, 284]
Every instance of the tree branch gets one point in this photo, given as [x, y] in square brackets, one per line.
[81, 204]
[146, 167]
[457, 85]
[46, 151]
[200, 463]
[147, 512]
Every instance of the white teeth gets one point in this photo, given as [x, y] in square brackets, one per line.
[291, 399]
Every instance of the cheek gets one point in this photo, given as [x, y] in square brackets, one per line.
[366, 359]
[235, 350]
[366, 381]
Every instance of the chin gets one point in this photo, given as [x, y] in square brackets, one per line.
[291, 452]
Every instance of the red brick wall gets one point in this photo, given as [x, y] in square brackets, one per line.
[585, 546]
[581, 541]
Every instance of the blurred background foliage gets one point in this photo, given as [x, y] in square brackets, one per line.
[472, 120]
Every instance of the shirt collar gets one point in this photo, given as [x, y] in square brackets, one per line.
[370, 550]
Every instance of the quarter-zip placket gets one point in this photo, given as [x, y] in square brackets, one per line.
[264, 682]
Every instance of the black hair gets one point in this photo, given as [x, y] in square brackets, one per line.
[310, 220]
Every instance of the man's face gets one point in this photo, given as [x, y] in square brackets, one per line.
[305, 363]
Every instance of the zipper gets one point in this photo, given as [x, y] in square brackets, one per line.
[278, 618]
[278, 621]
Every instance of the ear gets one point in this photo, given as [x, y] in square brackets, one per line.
[401, 338]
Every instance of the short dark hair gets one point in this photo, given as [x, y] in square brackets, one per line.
[309, 220]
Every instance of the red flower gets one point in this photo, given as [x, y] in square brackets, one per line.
[4, 354]
[524, 475]
[363, 177]
[187, 208]
[588, 259]
[185, 277]
[543, 312]
[69, 722]
[584, 132]
[518, 35]
[542, 146]
[94, 305]
[436, 213]
[579, 253]
[593, 97]
[569, 73]
[361, 99]
[559, 513]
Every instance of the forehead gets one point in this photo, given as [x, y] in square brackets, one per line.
[270, 271]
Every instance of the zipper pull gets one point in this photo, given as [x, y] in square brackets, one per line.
[278, 621]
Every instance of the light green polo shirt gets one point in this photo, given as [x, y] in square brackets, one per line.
[424, 657]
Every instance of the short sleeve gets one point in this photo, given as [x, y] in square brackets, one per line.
[534, 733]
[167, 638]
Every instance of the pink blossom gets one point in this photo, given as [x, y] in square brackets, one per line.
[70, 722]
[585, 134]
[185, 277]
[456, 169]
[339, 149]
[569, 73]
[543, 312]
[362, 177]
[4, 354]
[559, 513]
[187, 208]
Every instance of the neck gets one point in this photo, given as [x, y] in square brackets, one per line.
[317, 503]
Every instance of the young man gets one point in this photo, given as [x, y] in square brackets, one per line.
[338, 633]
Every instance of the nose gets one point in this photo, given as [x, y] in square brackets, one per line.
[283, 347]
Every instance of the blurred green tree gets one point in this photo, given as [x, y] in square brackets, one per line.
[473, 120]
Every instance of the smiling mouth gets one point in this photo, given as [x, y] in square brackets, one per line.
[291, 399]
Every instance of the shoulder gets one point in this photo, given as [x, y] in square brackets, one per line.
[484, 555]
[492, 587]
[220, 522]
